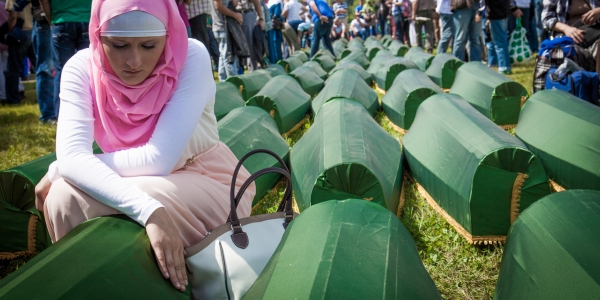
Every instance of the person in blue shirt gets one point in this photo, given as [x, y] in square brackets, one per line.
[359, 8]
[322, 18]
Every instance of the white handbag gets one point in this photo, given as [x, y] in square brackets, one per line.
[225, 264]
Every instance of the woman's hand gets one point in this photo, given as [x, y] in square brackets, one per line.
[591, 16]
[41, 192]
[168, 248]
[577, 35]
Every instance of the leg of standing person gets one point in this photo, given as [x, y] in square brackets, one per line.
[317, 34]
[538, 9]
[399, 22]
[225, 69]
[63, 40]
[42, 39]
[327, 37]
[498, 29]
[248, 25]
[419, 29]
[534, 43]
[447, 32]
[475, 36]
[3, 61]
[17, 51]
[198, 24]
[406, 33]
[429, 30]
[436, 27]
[462, 21]
[213, 49]
[381, 21]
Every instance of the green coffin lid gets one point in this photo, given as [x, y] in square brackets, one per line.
[419, 57]
[249, 84]
[494, 95]
[372, 51]
[310, 82]
[372, 41]
[410, 89]
[443, 69]
[227, 98]
[353, 65]
[552, 250]
[385, 75]
[338, 48]
[248, 128]
[284, 99]
[274, 70]
[290, 64]
[346, 154]
[348, 249]
[478, 176]
[356, 45]
[22, 227]
[563, 131]
[324, 52]
[301, 55]
[397, 48]
[316, 67]
[357, 40]
[103, 258]
[347, 83]
[358, 57]
[380, 59]
[326, 62]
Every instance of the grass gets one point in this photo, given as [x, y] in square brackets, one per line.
[459, 270]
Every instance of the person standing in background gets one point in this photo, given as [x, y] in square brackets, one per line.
[213, 49]
[322, 18]
[447, 30]
[18, 40]
[467, 27]
[398, 19]
[497, 12]
[220, 10]
[359, 7]
[522, 9]
[340, 10]
[198, 12]
[368, 14]
[3, 52]
[252, 15]
[422, 15]
[383, 11]
[70, 21]
[44, 84]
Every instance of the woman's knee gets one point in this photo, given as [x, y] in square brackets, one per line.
[62, 196]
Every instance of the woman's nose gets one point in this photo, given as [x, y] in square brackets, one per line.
[134, 60]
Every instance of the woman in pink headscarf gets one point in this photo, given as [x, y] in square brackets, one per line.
[145, 94]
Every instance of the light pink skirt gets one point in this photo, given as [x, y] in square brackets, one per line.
[196, 197]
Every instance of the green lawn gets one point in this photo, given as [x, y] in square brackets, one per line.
[459, 270]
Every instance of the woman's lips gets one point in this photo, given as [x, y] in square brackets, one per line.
[132, 72]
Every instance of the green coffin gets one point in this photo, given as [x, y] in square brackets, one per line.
[301, 55]
[22, 227]
[338, 48]
[249, 84]
[348, 249]
[397, 48]
[358, 57]
[310, 82]
[325, 52]
[478, 176]
[372, 41]
[357, 40]
[290, 64]
[385, 75]
[552, 250]
[350, 64]
[249, 128]
[372, 51]
[346, 154]
[227, 98]
[326, 62]
[419, 57]
[283, 98]
[347, 83]
[379, 60]
[316, 67]
[494, 95]
[563, 131]
[402, 100]
[103, 258]
[274, 70]
[356, 44]
[443, 69]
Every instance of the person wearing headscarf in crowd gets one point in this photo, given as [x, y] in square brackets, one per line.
[145, 93]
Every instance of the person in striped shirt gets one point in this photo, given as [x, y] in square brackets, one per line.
[340, 9]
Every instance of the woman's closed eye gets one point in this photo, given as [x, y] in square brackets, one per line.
[119, 46]
[149, 46]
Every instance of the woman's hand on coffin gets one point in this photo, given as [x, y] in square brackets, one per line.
[41, 192]
[168, 247]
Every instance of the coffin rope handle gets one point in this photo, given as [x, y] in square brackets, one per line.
[516, 196]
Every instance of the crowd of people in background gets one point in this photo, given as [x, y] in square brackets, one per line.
[245, 35]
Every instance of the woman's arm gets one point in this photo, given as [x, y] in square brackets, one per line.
[74, 138]
[176, 123]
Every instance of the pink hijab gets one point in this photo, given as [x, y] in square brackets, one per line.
[125, 115]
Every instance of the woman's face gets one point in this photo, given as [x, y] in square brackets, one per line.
[133, 58]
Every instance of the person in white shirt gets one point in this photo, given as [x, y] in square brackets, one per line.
[145, 93]
[357, 27]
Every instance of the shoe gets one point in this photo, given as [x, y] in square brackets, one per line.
[52, 121]
[506, 72]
